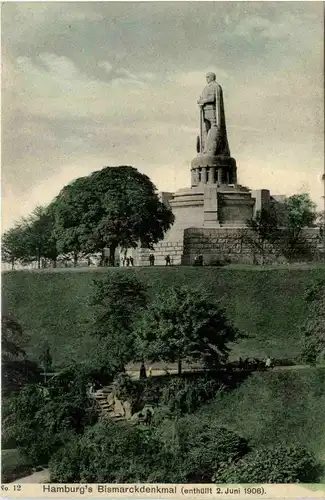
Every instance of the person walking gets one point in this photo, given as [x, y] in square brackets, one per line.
[143, 373]
[132, 261]
[151, 259]
[167, 259]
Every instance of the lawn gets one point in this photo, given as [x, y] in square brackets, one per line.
[265, 303]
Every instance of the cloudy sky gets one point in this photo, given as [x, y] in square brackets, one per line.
[86, 85]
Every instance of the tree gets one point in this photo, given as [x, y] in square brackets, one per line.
[31, 239]
[114, 206]
[14, 245]
[281, 228]
[186, 324]
[320, 224]
[70, 228]
[17, 370]
[313, 348]
[265, 231]
[116, 303]
[39, 235]
[299, 213]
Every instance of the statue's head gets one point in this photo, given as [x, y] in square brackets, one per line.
[210, 77]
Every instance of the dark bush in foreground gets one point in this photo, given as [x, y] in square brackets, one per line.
[112, 453]
[181, 450]
[205, 446]
[14, 466]
[40, 420]
[283, 464]
[200, 445]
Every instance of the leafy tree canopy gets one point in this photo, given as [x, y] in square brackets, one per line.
[313, 349]
[31, 239]
[186, 324]
[114, 206]
[300, 211]
[281, 227]
[14, 245]
[116, 303]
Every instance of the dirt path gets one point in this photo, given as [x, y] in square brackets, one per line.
[156, 372]
[42, 476]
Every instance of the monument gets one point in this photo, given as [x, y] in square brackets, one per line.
[215, 205]
[213, 171]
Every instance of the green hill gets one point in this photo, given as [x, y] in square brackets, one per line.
[265, 303]
[274, 408]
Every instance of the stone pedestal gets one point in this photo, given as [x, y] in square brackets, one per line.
[213, 170]
[235, 206]
[210, 206]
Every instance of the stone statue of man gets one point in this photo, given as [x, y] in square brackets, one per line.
[213, 123]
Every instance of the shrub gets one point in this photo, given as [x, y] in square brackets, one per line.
[40, 420]
[14, 466]
[111, 453]
[183, 396]
[200, 445]
[206, 445]
[66, 462]
[181, 450]
[283, 464]
[179, 395]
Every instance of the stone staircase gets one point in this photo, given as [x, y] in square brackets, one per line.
[109, 406]
[114, 409]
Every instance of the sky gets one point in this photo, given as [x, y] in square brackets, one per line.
[93, 84]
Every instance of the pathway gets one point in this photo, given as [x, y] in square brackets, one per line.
[42, 476]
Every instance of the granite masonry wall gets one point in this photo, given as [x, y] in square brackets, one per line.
[231, 244]
[221, 244]
[174, 249]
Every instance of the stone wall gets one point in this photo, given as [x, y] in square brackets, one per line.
[230, 244]
[221, 244]
[215, 244]
[173, 249]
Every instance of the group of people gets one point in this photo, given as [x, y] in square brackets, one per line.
[128, 261]
[266, 363]
[198, 261]
[168, 260]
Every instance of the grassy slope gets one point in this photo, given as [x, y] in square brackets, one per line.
[267, 304]
[276, 408]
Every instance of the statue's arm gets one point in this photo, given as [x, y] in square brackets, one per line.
[211, 99]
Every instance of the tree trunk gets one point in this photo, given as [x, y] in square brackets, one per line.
[102, 259]
[13, 264]
[112, 249]
[75, 259]
[179, 367]
[54, 262]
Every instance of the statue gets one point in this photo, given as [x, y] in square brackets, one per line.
[213, 133]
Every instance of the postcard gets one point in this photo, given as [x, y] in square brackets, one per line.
[163, 250]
